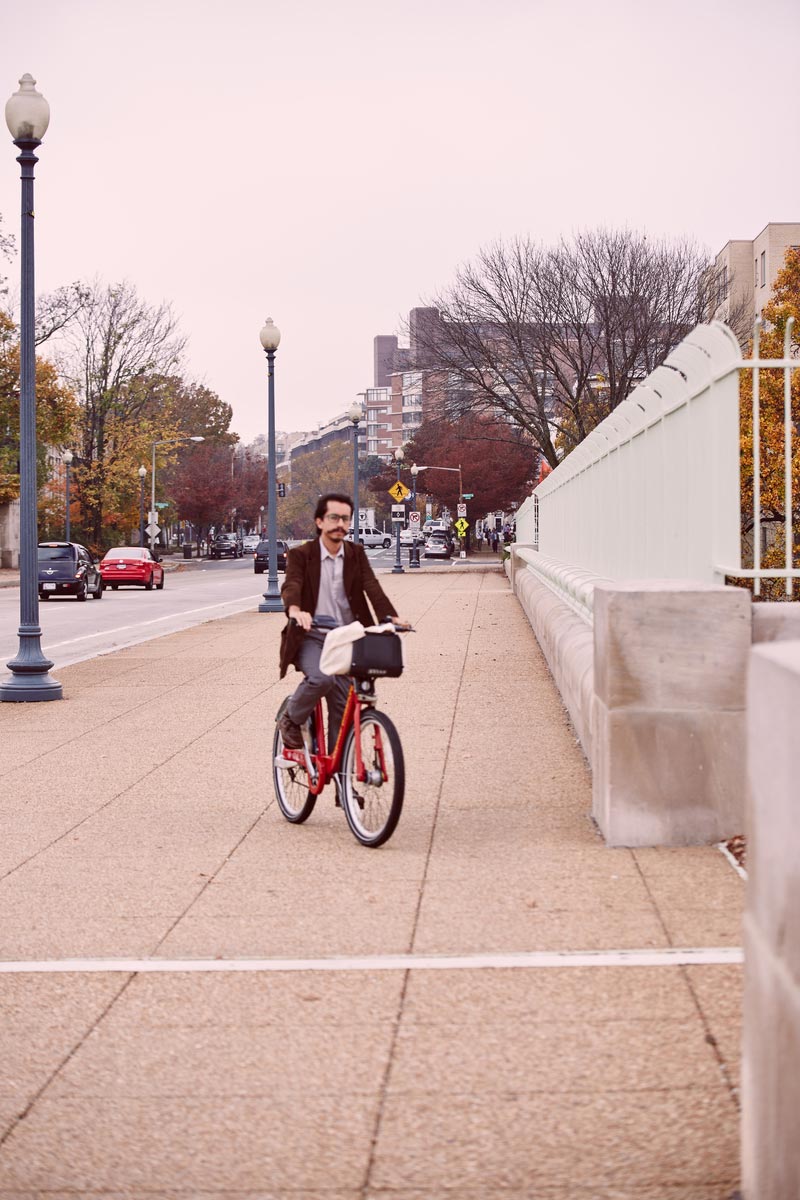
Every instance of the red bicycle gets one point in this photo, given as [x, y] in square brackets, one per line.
[367, 761]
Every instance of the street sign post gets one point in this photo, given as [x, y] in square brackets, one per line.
[398, 491]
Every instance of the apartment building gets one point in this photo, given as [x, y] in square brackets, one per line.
[742, 280]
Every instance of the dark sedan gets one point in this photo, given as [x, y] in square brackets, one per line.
[261, 557]
[68, 569]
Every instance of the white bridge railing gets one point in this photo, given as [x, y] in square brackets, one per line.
[654, 492]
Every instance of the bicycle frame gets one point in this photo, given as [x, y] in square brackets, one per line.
[322, 767]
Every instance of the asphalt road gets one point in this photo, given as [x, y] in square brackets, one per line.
[72, 631]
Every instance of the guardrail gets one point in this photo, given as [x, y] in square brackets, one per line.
[654, 492]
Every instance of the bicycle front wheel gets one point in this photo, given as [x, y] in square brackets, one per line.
[295, 800]
[373, 804]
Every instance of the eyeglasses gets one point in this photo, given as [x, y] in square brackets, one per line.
[336, 519]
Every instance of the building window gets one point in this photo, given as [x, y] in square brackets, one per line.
[755, 272]
[763, 267]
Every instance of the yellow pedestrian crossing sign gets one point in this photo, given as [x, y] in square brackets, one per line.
[462, 526]
[399, 491]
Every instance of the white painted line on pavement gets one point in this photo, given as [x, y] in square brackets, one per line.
[723, 849]
[533, 959]
[188, 612]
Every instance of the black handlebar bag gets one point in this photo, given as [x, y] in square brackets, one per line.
[377, 655]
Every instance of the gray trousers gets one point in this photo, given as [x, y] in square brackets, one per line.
[315, 685]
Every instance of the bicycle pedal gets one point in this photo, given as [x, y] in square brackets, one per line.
[285, 763]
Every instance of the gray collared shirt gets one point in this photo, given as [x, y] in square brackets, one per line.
[332, 600]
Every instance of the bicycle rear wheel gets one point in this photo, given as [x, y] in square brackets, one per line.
[373, 805]
[295, 800]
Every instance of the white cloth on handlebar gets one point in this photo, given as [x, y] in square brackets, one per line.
[337, 652]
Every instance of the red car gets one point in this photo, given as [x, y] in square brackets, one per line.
[131, 566]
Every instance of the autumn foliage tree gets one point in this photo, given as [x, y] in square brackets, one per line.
[201, 485]
[785, 303]
[329, 469]
[496, 459]
[56, 410]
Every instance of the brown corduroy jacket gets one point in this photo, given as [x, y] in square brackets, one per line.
[301, 587]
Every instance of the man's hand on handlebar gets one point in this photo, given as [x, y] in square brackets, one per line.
[303, 619]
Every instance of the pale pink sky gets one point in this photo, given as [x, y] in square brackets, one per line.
[329, 164]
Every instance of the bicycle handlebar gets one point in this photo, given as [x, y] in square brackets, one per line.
[327, 624]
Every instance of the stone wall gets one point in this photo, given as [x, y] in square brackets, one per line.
[9, 535]
[771, 1045]
[670, 663]
[656, 690]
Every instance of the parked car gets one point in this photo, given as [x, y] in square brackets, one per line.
[68, 569]
[227, 545]
[250, 543]
[407, 537]
[438, 545]
[432, 526]
[261, 557]
[131, 566]
[369, 536]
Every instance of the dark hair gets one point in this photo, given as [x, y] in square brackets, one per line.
[322, 504]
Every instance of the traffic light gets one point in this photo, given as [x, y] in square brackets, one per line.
[281, 490]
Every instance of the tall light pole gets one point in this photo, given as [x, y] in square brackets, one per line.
[27, 117]
[397, 569]
[270, 338]
[142, 472]
[66, 458]
[163, 442]
[413, 558]
[355, 413]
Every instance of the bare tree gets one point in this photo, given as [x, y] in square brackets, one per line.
[554, 338]
[107, 351]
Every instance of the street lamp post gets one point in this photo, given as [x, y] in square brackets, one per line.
[27, 117]
[355, 413]
[397, 569]
[413, 558]
[66, 458]
[270, 338]
[457, 470]
[142, 472]
[163, 442]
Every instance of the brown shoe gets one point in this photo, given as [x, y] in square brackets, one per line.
[290, 733]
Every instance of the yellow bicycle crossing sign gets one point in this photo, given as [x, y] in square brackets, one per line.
[399, 491]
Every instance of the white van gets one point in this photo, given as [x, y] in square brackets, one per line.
[369, 536]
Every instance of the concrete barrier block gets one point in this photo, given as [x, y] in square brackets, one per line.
[771, 1042]
[670, 662]
[664, 644]
[667, 778]
[773, 823]
[770, 1073]
[776, 622]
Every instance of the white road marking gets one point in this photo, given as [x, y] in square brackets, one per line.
[188, 612]
[528, 960]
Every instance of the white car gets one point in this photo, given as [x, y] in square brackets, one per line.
[407, 537]
[250, 543]
[369, 536]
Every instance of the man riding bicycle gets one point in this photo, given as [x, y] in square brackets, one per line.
[329, 577]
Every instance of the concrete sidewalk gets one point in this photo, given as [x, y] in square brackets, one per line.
[139, 820]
